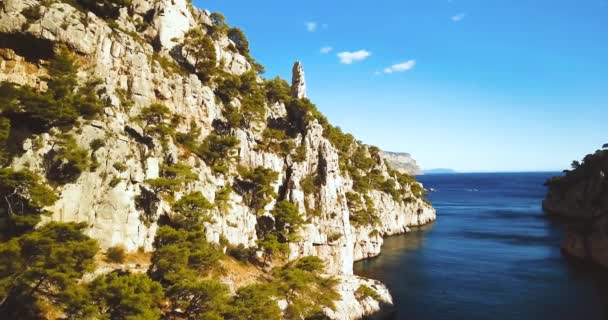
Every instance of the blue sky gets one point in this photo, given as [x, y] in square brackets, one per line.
[486, 85]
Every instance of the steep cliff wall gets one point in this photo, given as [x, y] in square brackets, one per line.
[581, 197]
[139, 58]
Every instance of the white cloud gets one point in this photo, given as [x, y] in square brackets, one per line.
[311, 26]
[347, 57]
[401, 67]
[459, 17]
[326, 50]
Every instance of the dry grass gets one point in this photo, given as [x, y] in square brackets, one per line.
[137, 258]
[240, 274]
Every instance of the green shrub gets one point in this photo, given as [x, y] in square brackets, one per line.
[342, 141]
[241, 253]
[300, 154]
[87, 100]
[591, 165]
[277, 90]
[288, 220]
[257, 186]
[276, 141]
[56, 256]
[154, 118]
[66, 161]
[189, 138]
[255, 302]
[96, 144]
[60, 105]
[169, 65]
[364, 292]
[120, 167]
[201, 48]
[299, 113]
[300, 283]
[228, 88]
[191, 212]
[334, 237]
[182, 256]
[116, 254]
[308, 184]
[219, 26]
[172, 177]
[121, 295]
[361, 159]
[360, 182]
[222, 198]
[5, 129]
[272, 248]
[253, 97]
[361, 214]
[240, 41]
[233, 116]
[251, 93]
[114, 182]
[217, 149]
[24, 197]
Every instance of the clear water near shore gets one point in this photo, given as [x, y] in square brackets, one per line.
[492, 254]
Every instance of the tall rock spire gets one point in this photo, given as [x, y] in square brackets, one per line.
[298, 83]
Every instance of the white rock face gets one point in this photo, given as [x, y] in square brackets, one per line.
[173, 20]
[298, 81]
[121, 208]
[402, 162]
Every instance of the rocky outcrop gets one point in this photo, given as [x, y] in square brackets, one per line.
[402, 162]
[298, 81]
[135, 61]
[580, 197]
[352, 307]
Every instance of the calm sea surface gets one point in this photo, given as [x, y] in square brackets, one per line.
[492, 254]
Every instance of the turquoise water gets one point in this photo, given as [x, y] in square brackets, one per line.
[492, 254]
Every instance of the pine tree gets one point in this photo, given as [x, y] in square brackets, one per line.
[255, 302]
[121, 295]
[191, 211]
[43, 264]
[24, 197]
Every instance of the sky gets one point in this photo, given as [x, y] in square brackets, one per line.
[476, 86]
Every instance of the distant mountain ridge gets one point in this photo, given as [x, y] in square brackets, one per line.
[402, 162]
[439, 171]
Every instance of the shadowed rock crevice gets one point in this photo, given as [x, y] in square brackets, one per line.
[33, 49]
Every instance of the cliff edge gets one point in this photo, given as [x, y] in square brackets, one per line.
[580, 196]
[402, 162]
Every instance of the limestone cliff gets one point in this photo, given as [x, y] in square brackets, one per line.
[139, 58]
[580, 196]
[402, 162]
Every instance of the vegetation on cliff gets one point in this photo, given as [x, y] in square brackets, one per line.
[591, 164]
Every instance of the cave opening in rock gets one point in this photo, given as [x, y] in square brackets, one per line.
[27, 46]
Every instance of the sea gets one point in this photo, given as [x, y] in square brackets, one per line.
[491, 254]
